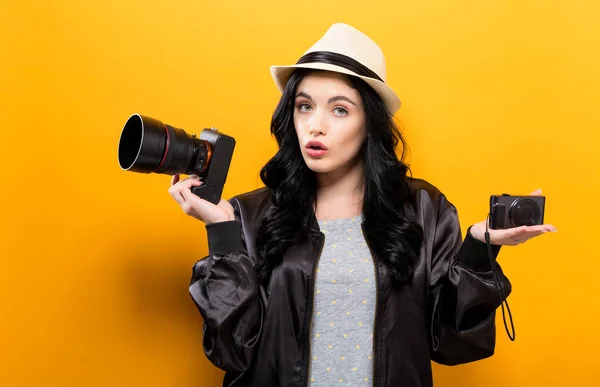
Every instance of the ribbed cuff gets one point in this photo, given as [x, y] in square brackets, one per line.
[473, 254]
[224, 237]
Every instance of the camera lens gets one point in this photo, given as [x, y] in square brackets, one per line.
[524, 212]
[149, 146]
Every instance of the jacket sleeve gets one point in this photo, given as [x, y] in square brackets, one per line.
[225, 289]
[463, 293]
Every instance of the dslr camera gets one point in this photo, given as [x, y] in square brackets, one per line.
[147, 145]
[508, 211]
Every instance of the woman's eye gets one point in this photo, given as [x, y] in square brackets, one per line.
[304, 107]
[340, 111]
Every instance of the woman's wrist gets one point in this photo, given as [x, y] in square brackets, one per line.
[477, 231]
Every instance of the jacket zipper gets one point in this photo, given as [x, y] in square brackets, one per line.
[375, 327]
[312, 303]
[236, 379]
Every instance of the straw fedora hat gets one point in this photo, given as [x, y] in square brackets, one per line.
[346, 50]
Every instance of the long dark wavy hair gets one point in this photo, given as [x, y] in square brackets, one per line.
[394, 239]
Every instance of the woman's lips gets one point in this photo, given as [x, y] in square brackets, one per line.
[316, 149]
[315, 152]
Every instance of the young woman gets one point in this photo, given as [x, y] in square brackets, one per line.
[342, 270]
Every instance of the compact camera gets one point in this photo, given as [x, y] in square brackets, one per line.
[147, 145]
[508, 211]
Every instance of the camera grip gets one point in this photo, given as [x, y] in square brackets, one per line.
[207, 192]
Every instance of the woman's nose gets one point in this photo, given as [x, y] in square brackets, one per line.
[314, 132]
[317, 125]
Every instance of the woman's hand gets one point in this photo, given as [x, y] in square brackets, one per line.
[511, 236]
[197, 207]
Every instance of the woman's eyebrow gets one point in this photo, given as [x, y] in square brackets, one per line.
[332, 99]
[340, 98]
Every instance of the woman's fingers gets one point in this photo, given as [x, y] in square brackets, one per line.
[192, 201]
[175, 190]
[525, 233]
[529, 235]
[179, 187]
[537, 192]
[195, 206]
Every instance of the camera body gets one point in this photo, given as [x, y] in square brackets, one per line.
[220, 148]
[508, 211]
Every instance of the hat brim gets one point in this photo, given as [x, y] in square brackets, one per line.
[281, 74]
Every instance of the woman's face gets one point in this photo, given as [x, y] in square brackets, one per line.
[330, 122]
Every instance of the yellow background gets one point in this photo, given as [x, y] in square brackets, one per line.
[498, 96]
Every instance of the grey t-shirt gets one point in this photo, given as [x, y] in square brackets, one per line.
[344, 308]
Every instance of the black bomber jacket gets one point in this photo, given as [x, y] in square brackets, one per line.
[261, 336]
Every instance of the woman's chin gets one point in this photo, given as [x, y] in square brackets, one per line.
[318, 166]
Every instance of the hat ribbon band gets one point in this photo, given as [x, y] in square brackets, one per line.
[339, 60]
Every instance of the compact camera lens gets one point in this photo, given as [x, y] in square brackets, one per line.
[149, 146]
[524, 212]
